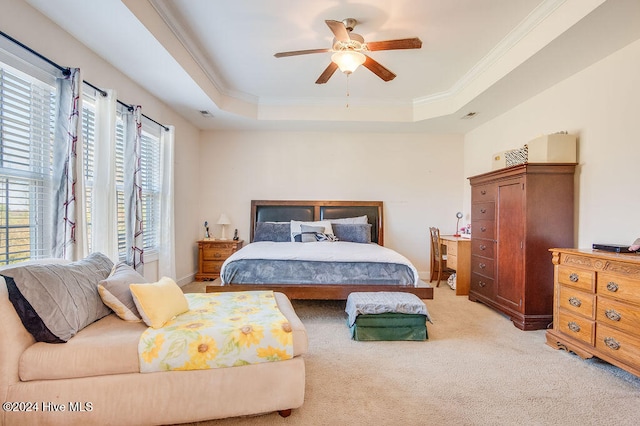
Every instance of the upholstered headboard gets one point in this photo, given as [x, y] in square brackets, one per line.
[304, 210]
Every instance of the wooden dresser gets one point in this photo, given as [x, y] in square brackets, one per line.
[211, 256]
[596, 308]
[517, 214]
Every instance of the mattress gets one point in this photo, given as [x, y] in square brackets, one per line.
[317, 263]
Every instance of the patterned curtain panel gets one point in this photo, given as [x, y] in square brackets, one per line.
[166, 250]
[133, 189]
[67, 180]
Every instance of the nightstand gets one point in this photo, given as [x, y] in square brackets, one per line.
[211, 256]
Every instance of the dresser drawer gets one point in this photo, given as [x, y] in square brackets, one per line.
[484, 248]
[576, 277]
[452, 261]
[619, 287]
[483, 266]
[483, 193]
[613, 313]
[577, 302]
[482, 285]
[576, 327]
[483, 229]
[483, 211]
[617, 344]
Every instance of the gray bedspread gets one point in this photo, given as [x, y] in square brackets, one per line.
[266, 271]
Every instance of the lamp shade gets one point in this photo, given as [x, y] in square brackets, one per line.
[348, 60]
[224, 220]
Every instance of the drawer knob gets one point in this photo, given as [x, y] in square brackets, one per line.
[573, 327]
[483, 211]
[612, 343]
[483, 192]
[481, 283]
[574, 277]
[482, 265]
[613, 315]
[612, 287]
[574, 301]
[483, 228]
[217, 255]
[483, 247]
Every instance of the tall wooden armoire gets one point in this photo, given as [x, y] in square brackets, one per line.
[517, 214]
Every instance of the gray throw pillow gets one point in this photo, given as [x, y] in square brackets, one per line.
[352, 232]
[115, 292]
[55, 301]
[278, 232]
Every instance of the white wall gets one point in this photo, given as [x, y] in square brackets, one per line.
[419, 178]
[27, 25]
[600, 105]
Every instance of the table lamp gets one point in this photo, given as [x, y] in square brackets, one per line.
[459, 216]
[224, 221]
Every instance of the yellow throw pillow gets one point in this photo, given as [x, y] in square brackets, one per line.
[158, 302]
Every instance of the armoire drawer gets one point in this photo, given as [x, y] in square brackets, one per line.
[483, 193]
[484, 248]
[483, 229]
[483, 266]
[482, 285]
[577, 302]
[483, 211]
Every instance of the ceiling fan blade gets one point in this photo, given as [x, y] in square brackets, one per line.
[300, 52]
[339, 30]
[375, 67]
[327, 73]
[403, 43]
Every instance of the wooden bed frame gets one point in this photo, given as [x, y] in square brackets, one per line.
[305, 210]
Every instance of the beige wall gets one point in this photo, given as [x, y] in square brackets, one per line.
[20, 21]
[600, 105]
[419, 178]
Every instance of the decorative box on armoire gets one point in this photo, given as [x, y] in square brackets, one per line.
[517, 214]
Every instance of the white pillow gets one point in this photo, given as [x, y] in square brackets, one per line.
[350, 220]
[295, 227]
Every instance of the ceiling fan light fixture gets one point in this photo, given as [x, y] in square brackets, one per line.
[348, 60]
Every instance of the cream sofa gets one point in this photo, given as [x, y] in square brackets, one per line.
[93, 378]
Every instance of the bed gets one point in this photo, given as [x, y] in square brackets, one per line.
[276, 263]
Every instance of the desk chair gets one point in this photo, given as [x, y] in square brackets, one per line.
[438, 258]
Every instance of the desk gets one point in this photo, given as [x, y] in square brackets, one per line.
[459, 258]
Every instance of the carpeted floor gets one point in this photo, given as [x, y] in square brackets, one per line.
[475, 369]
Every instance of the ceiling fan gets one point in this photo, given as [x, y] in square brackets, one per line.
[349, 51]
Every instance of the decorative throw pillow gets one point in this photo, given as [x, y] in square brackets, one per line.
[278, 232]
[55, 301]
[115, 292]
[359, 219]
[295, 227]
[352, 232]
[159, 302]
[308, 233]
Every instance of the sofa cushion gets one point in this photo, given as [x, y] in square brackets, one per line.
[115, 292]
[159, 302]
[108, 346]
[60, 298]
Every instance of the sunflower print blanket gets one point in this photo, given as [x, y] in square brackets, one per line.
[219, 330]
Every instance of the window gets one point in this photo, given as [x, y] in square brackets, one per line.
[27, 108]
[88, 166]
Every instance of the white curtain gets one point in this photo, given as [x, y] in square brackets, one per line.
[133, 189]
[104, 220]
[69, 227]
[166, 254]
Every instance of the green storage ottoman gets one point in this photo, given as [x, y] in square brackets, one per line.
[386, 316]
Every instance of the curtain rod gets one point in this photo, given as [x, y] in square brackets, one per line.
[65, 71]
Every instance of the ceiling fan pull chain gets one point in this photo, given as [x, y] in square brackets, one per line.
[347, 91]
